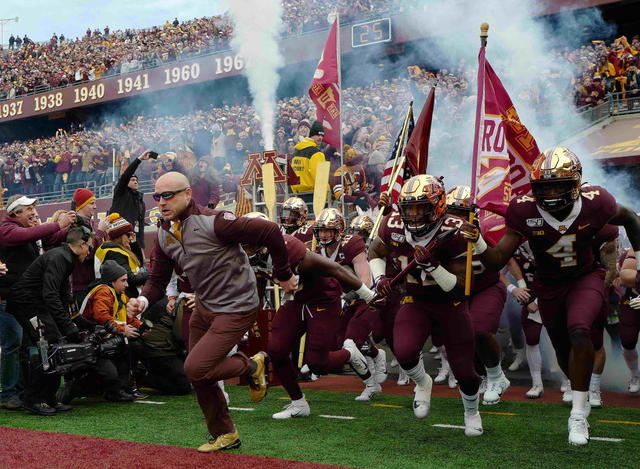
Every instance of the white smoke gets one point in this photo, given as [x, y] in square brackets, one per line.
[256, 34]
[522, 47]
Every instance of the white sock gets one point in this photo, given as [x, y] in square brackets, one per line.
[370, 381]
[443, 352]
[417, 374]
[494, 373]
[594, 385]
[631, 359]
[299, 401]
[534, 358]
[579, 402]
[470, 403]
[221, 384]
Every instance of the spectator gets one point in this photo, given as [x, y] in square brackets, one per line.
[129, 203]
[44, 290]
[119, 249]
[306, 157]
[205, 187]
[21, 242]
[84, 204]
[106, 302]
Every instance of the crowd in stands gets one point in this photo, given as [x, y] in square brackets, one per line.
[603, 69]
[27, 66]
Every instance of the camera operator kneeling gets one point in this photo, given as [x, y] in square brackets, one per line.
[44, 292]
[106, 305]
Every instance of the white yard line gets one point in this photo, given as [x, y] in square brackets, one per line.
[446, 425]
[601, 438]
[340, 417]
[150, 402]
[246, 409]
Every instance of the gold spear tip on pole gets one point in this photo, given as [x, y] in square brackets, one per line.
[484, 29]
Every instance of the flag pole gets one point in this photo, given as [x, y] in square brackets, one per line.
[343, 209]
[484, 33]
[394, 169]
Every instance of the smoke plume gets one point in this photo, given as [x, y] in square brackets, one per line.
[256, 33]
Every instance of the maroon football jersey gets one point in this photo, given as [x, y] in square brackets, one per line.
[524, 258]
[312, 288]
[348, 248]
[482, 278]
[563, 250]
[418, 283]
[305, 234]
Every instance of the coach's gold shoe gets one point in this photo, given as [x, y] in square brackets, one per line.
[258, 379]
[226, 441]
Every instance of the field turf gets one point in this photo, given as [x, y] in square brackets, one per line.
[379, 437]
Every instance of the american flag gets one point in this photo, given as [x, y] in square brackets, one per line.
[386, 174]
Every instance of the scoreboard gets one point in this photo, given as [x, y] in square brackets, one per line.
[371, 32]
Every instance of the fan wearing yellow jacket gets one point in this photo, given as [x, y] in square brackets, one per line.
[306, 157]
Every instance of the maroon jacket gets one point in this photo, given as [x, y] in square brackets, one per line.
[205, 191]
[18, 248]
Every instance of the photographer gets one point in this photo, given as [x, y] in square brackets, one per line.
[22, 239]
[43, 291]
[106, 303]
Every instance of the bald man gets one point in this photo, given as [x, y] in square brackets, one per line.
[205, 244]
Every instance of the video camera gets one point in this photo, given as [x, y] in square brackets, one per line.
[104, 341]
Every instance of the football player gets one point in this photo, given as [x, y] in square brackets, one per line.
[486, 303]
[434, 292]
[630, 317]
[293, 220]
[350, 251]
[314, 309]
[561, 221]
[361, 226]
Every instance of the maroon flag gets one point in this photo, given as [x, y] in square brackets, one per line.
[325, 89]
[503, 151]
[417, 149]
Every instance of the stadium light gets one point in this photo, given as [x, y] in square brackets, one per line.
[4, 21]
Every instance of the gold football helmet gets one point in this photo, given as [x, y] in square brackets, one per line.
[361, 225]
[330, 219]
[459, 201]
[257, 254]
[293, 214]
[555, 179]
[422, 203]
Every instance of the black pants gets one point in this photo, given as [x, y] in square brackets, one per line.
[40, 385]
[166, 374]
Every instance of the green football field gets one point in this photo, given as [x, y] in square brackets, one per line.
[381, 434]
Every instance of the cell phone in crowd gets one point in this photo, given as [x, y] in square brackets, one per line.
[153, 155]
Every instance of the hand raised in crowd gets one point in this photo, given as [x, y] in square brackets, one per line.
[103, 224]
[291, 285]
[66, 219]
[131, 332]
[145, 155]
[521, 294]
[3, 268]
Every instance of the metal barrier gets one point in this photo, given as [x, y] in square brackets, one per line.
[614, 104]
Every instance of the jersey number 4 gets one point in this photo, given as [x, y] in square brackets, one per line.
[564, 249]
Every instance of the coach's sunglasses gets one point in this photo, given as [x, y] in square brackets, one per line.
[167, 195]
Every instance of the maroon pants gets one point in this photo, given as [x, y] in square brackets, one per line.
[570, 308]
[211, 337]
[485, 308]
[629, 325]
[321, 323]
[413, 326]
[384, 321]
